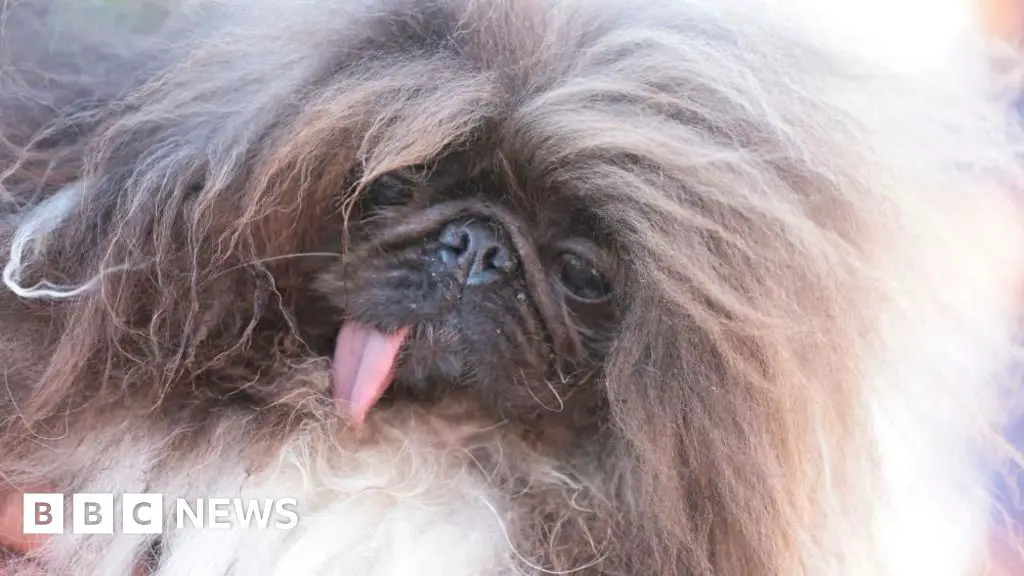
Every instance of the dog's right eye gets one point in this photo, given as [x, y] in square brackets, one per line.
[389, 190]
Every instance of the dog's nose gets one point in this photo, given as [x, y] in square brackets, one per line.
[476, 252]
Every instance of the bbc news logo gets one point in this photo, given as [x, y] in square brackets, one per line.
[144, 513]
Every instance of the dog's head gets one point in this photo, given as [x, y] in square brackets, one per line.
[469, 276]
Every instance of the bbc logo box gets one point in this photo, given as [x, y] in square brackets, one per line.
[93, 514]
[145, 513]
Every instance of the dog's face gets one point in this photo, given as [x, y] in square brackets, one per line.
[464, 278]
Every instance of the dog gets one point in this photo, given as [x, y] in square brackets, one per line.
[504, 287]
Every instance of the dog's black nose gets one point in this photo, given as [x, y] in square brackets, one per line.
[476, 252]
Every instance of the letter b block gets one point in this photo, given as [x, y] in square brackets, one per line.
[92, 513]
[43, 513]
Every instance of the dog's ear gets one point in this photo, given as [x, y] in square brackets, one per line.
[729, 424]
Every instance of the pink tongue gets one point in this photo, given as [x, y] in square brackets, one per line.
[364, 364]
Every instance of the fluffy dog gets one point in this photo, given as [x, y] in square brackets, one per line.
[504, 287]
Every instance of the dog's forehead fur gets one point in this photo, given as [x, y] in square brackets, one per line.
[783, 211]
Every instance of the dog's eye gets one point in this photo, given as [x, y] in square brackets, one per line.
[582, 279]
[389, 190]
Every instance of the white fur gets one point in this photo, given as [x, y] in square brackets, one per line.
[401, 504]
[28, 243]
[391, 511]
[35, 226]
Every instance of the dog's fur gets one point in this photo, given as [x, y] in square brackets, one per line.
[815, 263]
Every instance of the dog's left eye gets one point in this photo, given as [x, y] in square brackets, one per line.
[582, 279]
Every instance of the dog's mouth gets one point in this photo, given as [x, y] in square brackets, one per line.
[364, 364]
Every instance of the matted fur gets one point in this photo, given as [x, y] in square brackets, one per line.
[823, 265]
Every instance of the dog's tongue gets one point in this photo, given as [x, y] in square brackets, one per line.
[364, 364]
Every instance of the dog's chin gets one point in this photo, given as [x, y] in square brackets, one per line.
[428, 378]
[428, 368]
